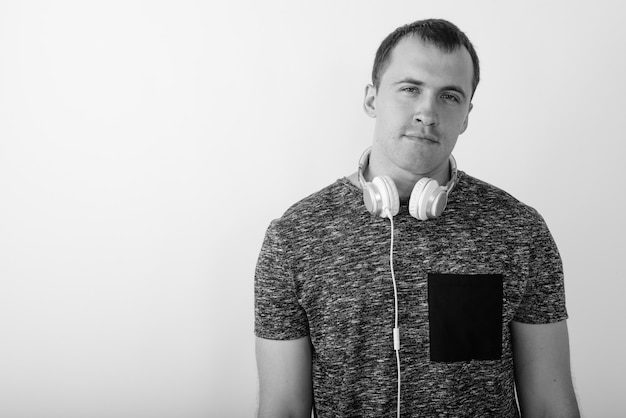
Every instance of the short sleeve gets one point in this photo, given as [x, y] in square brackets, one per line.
[544, 297]
[278, 313]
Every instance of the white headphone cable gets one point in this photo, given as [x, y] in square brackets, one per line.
[396, 329]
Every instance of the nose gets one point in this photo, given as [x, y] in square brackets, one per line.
[426, 111]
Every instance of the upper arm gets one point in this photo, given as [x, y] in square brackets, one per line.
[285, 385]
[542, 370]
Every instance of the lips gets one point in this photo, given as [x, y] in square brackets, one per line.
[421, 137]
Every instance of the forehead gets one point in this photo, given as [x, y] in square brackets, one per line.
[415, 59]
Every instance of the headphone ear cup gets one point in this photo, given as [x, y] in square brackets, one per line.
[415, 197]
[424, 194]
[388, 195]
[371, 198]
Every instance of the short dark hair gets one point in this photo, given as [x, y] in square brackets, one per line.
[439, 32]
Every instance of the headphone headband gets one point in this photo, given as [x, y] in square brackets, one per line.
[364, 162]
[365, 158]
[454, 175]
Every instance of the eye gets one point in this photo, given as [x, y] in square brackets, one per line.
[450, 98]
[411, 90]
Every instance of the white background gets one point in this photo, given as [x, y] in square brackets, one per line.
[146, 145]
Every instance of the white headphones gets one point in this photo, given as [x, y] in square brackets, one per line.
[428, 199]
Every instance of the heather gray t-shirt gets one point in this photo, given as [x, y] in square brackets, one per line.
[323, 271]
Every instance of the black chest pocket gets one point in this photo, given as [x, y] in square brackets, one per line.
[465, 317]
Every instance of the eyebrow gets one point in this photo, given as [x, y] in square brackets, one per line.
[421, 83]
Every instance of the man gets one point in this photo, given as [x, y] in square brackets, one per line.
[364, 310]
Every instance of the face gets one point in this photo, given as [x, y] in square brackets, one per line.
[421, 107]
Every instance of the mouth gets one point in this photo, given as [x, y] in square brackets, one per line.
[422, 138]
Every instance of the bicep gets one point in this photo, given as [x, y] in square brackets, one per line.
[542, 369]
[285, 386]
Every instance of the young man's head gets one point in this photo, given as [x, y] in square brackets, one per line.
[438, 32]
[424, 78]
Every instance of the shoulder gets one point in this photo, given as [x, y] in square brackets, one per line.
[491, 201]
[326, 208]
[320, 202]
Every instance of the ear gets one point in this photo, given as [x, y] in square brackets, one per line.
[369, 103]
[465, 122]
